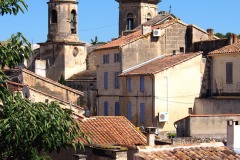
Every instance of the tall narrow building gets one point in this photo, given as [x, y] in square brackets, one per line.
[132, 13]
[62, 54]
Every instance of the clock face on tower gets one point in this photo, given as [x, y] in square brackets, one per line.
[75, 51]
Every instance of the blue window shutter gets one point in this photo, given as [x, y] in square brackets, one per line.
[141, 84]
[142, 113]
[105, 108]
[117, 109]
[105, 80]
[129, 114]
[129, 84]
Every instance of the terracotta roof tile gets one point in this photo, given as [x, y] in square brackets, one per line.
[192, 153]
[133, 36]
[160, 64]
[234, 48]
[84, 75]
[109, 130]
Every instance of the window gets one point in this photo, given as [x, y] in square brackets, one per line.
[54, 18]
[229, 72]
[129, 84]
[116, 80]
[130, 21]
[105, 58]
[117, 109]
[182, 49]
[105, 108]
[73, 22]
[149, 16]
[129, 111]
[105, 80]
[117, 57]
[142, 84]
[142, 113]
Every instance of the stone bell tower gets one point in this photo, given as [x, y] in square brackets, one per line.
[62, 21]
[62, 54]
[132, 13]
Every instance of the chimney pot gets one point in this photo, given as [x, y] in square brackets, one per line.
[235, 39]
[233, 132]
[210, 32]
[150, 133]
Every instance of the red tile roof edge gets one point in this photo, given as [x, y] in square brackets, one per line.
[16, 84]
[162, 25]
[184, 60]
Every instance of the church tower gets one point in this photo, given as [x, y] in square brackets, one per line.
[133, 13]
[62, 54]
[62, 21]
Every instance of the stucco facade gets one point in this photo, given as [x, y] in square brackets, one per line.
[172, 90]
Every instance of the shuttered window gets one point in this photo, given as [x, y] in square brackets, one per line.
[129, 84]
[117, 109]
[142, 113]
[142, 84]
[105, 108]
[229, 72]
[129, 111]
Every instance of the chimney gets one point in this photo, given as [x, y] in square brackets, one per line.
[233, 133]
[146, 29]
[210, 32]
[150, 133]
[235, 39]
[230, 39]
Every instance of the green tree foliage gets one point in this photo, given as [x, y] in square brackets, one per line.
[27, 128]
[62, 80]
[30, 128]
[12, 6]
[95, 41]
[227, 35]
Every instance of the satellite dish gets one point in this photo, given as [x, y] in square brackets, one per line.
[26, 92]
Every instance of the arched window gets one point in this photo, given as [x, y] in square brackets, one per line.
[130, 21]
[73, 22]
[149, 16]
[54, 18]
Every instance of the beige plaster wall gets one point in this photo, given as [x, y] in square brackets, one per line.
[204, 126]
[219, 84]
[176, 89]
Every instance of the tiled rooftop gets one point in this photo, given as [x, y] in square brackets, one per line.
[234, 48]
[133, 36]
[108, 130]
[189, 153]
[161, 64]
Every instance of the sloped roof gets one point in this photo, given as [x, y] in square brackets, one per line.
[191, 153]
[84, 75]
[133, 36]
[229, 49]
[156, 20]
[110, 130]
[160, 64]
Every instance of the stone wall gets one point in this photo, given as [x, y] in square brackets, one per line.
[208, 126]
[51, 87]
[219, 105]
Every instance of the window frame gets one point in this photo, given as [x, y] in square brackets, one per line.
[142, 84]
[116, 80]
[54, 16]
[142, 113]
[129, 111]
[130, 21]
[229, 72]
[106, 59]
[117, 109]
[129, 84]
[105, 111]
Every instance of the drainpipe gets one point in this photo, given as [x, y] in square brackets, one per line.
[153, 98]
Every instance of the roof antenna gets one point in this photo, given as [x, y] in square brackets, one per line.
[170, 9]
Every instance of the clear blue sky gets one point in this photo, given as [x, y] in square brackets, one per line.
[100, 18]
